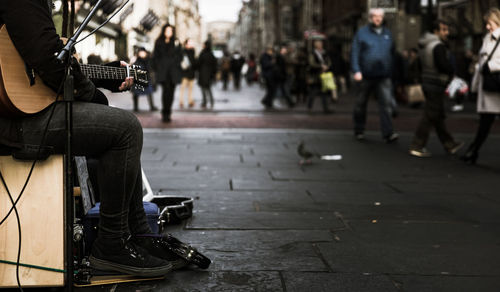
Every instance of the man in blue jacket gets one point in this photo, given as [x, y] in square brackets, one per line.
[371, 62]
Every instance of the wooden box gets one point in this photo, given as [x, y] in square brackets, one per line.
[41, 211]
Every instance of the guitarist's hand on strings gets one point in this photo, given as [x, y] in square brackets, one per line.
[129, 81]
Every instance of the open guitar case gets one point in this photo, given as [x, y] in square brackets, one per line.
[161, 211]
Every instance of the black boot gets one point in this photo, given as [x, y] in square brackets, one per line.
[470, 156]
[124, 256]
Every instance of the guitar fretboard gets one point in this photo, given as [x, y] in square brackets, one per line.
[106, 72]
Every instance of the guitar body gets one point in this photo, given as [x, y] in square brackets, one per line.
[17, 97]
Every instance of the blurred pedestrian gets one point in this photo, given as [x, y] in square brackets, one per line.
[188, 64]
[282, 76]
[371, 62]
[143, 61]
[300, 74]
[167, 58]
[437, 71]
[488, 101]
[267, 63]
[225, 68]
[207, 66]
[251, 75]
[319, 63]
[237, 62]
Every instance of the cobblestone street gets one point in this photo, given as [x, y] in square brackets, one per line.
[376, 220]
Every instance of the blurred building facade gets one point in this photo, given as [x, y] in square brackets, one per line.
[137, 25]
[219, 32]
[264, 23]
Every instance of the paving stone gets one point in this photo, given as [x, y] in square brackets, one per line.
[197, 281]
[448, 283]
[188, 182]
[326, 282]
[415, 248]
[276, 250]
[235, 219]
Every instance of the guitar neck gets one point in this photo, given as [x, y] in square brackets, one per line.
[106, 72]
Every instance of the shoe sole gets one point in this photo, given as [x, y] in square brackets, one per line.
[104, 265]
[455, 149]
[419, 154]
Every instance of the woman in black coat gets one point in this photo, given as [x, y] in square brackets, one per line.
[207, 66]
[167, 58]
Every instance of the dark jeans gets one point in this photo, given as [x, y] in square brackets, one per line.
[167, 98]
[236, 80]
[485, 122]
[433, 116]
[382, 88]
[314, 91]
[206, 91]
[270, 92]
[113, 137]
[225, 79]
[135, 97]
[284, 88]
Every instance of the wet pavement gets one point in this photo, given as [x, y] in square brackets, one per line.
[376, 220]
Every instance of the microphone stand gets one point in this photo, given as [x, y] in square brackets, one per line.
[63, 57]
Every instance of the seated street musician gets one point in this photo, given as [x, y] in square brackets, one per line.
[110, 135]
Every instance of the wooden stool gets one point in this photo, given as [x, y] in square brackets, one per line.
[41, 212]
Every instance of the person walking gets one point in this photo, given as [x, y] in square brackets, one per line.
[207, 66]
[267, 64]
[371, 62]
[225, 68]
[188, 73]
[282, 77]
[319, 63]
[251, 75]
[143, 61]
[437, 71]
[167, 66]
[488, 102]
[237, 62]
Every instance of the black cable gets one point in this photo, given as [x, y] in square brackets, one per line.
[19, 233]
[103, 24]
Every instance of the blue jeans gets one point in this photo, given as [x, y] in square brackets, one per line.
[382, 88]
[113, 137]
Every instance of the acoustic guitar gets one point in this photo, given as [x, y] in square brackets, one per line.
[19, 98]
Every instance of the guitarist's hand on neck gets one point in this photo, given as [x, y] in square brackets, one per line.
[129, 81]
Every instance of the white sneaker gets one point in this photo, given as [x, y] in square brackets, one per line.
[457, 108]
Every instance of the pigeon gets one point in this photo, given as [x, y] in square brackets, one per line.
[305, 154]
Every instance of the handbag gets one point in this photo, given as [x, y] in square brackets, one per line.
[415, 94]
[327, 82]
[491, 80]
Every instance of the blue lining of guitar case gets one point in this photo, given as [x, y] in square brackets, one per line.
[91, 221]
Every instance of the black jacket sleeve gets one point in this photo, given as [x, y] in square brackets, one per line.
[32, 31]
[442, 60]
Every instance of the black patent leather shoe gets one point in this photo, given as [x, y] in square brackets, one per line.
[170, 245]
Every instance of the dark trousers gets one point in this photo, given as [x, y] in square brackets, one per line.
[150, 101]
[284, 87]
[206, 92]
[113, 137]
[485, 122]
[237, 80]
[382, 88]
[433, 117]
[225, 79]
[167, 98]
[315, 91]
[270, 92]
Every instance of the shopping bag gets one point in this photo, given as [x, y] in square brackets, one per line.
[415, 94]
[327, 82]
